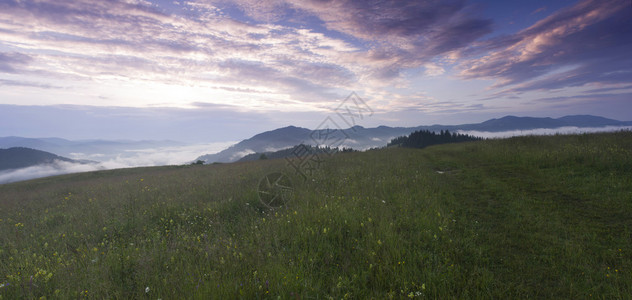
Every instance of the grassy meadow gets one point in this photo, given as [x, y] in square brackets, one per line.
[525, 217]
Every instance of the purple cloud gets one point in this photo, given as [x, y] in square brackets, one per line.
[138, 41]
[10, 61]
[303, 54]
[397, 34]
[588, 43]
[300, 78]
[6, 82]
[403, 34]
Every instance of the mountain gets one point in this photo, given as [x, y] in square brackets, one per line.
[515, 123]
[361, 138]
[510, 123]
[264, 142]
[20, 157]
[356, 137]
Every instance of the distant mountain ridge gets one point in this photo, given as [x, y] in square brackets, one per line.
[526, 123]
[268, 141]
[356, 137]
[21, 157]
[361, 138]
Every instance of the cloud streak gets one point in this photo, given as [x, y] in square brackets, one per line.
[10, 61]
[586, 44]
[398, 34]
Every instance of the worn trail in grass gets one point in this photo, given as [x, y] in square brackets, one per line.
[522, 217]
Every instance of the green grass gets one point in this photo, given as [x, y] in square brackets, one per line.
[528, 217]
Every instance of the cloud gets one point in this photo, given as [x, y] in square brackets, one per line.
[611, 89]
[585, 44]
[548, 131]
[55, 168]
[176, 155]
[399, 34]
[7, 82]
[308, 52]
[384, 21]
[312, 81]
[241, 154]
[137, 41]
[539, 10]
[299, 55]
[10, 61]
[162, 156]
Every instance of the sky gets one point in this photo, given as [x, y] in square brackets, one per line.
[213, 71]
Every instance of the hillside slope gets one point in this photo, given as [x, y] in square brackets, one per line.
[528, 217]
[20, 157]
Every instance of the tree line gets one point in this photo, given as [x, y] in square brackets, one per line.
[425, 138]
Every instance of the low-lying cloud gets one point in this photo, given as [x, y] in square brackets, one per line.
[127, 159]
[544, 131]
[56, 168]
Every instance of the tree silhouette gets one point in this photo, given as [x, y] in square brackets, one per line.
[425, 138]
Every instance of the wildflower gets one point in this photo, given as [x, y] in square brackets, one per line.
[146, 290]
